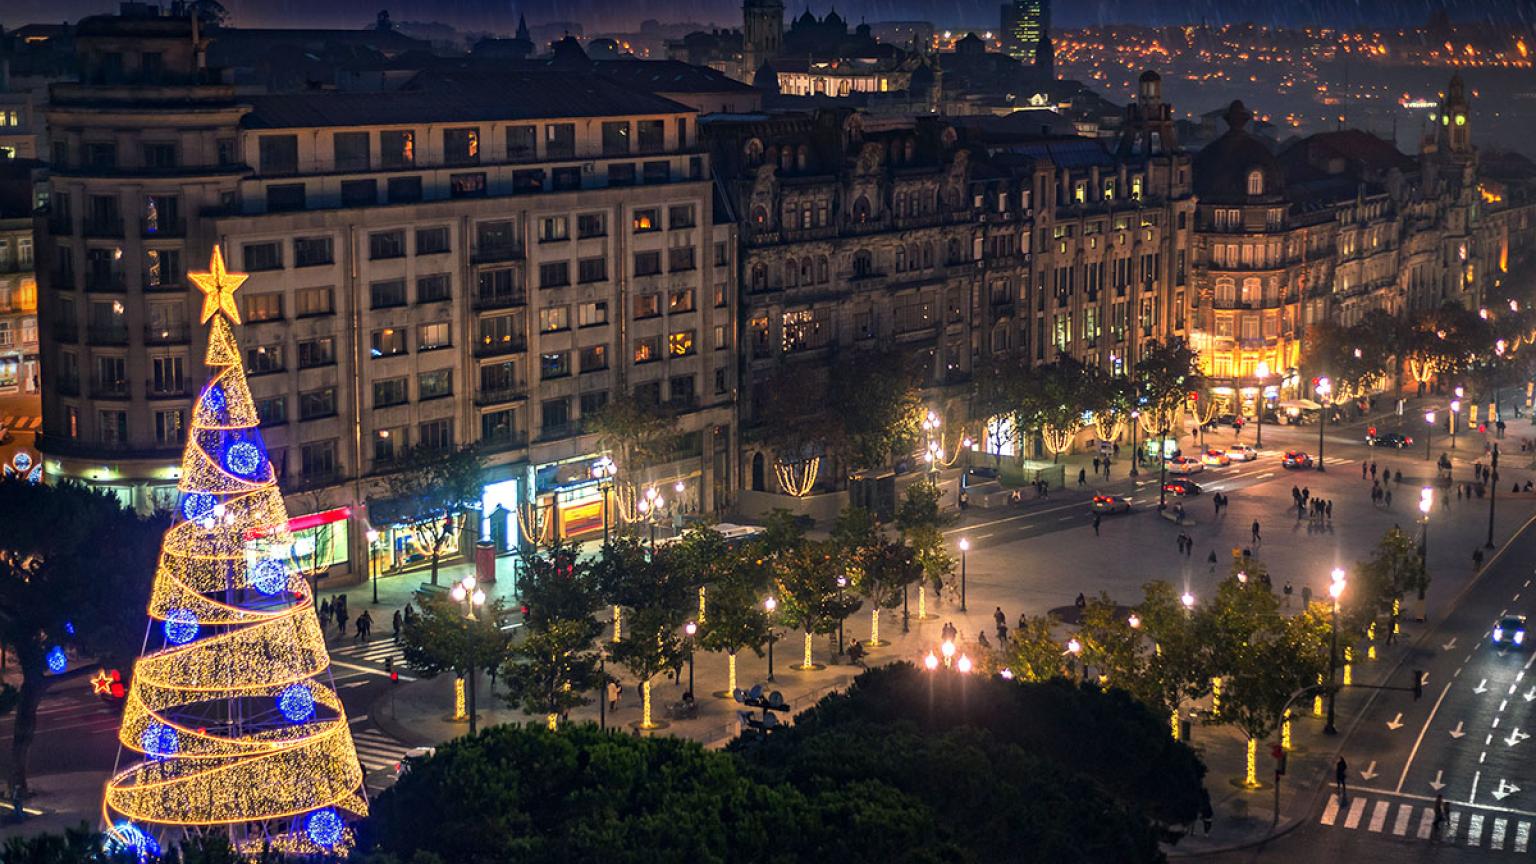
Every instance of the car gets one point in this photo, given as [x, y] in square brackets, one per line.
[1296, 459]
[1509, 631]
[1181, 486]
[1111, 504]
[1184, 465]
[1216, 457]
[1242, 453]
[1388, 439]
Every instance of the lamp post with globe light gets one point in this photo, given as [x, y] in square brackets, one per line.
[467, 591]
[965, 546]
[603, 471]
[650, 506]
[1075, 649]
[1335, 590]
[373, 562]
[769, 605]
[1429, 421]
[1324, 388]
[691, 629]
[1261, 372]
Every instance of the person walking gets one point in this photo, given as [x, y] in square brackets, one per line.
[1082, 477]
[1328, 509]
[1081, 601]
[1255, 532]
[1341, 778]
[1440, 814]
[1287, 592]
[1095, 465]
[615, 690]
[1363, 466]
[1373, 469]
[325, 611]
[395, 624]
[1206, 814]
[365, 626]
[1386, 496]
[341, 620]
[1096, 518]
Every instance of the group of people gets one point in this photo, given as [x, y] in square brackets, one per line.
[1306, 505]
[336, 610]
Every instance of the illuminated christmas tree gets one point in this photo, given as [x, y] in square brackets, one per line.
[231, 722]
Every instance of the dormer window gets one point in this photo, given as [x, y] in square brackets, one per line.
[1255, 182]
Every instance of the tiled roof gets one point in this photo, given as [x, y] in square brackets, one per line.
[523, 96]
[668, 76]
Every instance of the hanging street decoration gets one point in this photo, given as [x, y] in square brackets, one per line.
[230, 721]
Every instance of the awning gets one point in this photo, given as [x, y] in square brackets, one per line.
[1303, 404]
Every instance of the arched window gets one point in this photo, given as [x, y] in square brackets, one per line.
[1226, 293]
[753, 152]
[759, 277]
[954, 252]
[791, 274]
[802, 158]
[786, 159]
[1255, 182]
[901, 259]
[759, 215]
[806, 271]
[823, 272]
[914, 257]
[861, 209]
[927, 255]
[863, 263]
[1252, 292]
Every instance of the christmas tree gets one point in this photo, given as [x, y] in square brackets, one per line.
[231, 723]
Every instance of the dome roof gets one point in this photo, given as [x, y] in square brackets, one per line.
[834, 18]
[806, 17]
[1223, 166]
[1150, 75]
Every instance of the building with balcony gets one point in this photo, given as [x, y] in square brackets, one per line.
[461, 264]
[19, 371]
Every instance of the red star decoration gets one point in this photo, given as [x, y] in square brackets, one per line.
[101, 685]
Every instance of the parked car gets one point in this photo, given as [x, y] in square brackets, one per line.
[1111, 504]
[1181, 486]
[1509, 632]
[1242, 453]
[1388, 439]
[1296, 459]
[1216, 457]
[1184, 465]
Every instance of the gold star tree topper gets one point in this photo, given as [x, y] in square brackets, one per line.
[218, 286]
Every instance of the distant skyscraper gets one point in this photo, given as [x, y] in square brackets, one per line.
[1026, 24]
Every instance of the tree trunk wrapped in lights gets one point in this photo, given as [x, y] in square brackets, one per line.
[232, 724]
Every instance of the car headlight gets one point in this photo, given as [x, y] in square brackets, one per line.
[1519, 636]
[1498, 633]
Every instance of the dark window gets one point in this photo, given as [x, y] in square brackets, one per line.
[359, 193]
[621, 174]
[435, 384]
[435, 435]
[461, 146]
[651, 135]
[594, 358]
[229, 153]
[351, 149]
[318, 460]
[390, 391]
[317, 352]
[522, 143]
[279, 154]
[680, 216]
[273, 411]
[263, 256]
[528, 182]
[591, 403]
[592, 269]
[467, 185]
[680, 258]
[384, 295]
[560, 141]
[555, 416]
[386, 244]
[497, 426]
[397, 149]
[591, 225]
[263, 359]
[404, 190]
[647, 263]
[567, 179]
[616, 138]
[432, 288]
[101, 154]
[657, 172]
[311, 251]
[554, 274]
[315, 404]
[160, 157]
[431, 241]
[285, 197]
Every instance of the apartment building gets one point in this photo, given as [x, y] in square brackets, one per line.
[431, 268]
[18, 281]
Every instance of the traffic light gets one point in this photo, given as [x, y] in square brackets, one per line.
[1279, 753]
[1418, 684]
[389, 667]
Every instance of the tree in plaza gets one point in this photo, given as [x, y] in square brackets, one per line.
[876, 400]
[634, 432]
[1164, 376]
[1345, 356]
[1394, 569]
[703, 556]
[737, 619]
[652, 646]
[1178, 667]
[921, 522]
[558, 585]
[1110, 645]
[230, 724]
[553, 669]
[75, 571]
[995, 382]
[432, 491]
[626, 575]
[443, 638]
[1034, 652]
[880, 569]
[813, 592]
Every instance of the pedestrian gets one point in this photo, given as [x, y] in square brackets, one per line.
[1106, 469]
[1306, 596]
[1341, 777]
[1362, 470]
[1023, 621]
[965, 500]
[395, 623]
[365, 626]
[1458, 491]
[1255, 532]
[1439, 817]
[325, 611]
[1095, 465]
[1306, 493]
[341, 620]
[615, 690]
[1117, 450]
[1096, 524]
[1296, 494]
[410, 613]
[1328, 509]
[1287, 592]
[1206, 814]
[1081, 601]
[856, 654]
[1477, 558]
[999, 618]
[1082, 477]
[1373, 469]
[1386, 496]
[981, 639]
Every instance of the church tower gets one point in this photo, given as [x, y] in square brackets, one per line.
[1455, 134]
[762, 34]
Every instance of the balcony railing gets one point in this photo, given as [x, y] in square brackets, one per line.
[512, 439]
[66, 331]
[109, 389]
[498, 252]
[106, 226]
[495, 348]
[166, 283]
[100, 335]
[105, 283]
[163, 227]
[500, 299]
[169, 334]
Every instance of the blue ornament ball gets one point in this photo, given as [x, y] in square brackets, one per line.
[296, 703]
[325, 828]
[197, 505]
[243, 458]
[214, 399]
[128, 837]
[159, 739]
[57, 662]
[269, 576]
[180, 626]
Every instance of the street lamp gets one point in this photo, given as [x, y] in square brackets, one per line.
[1075, 648]
[373, 563]
[1188, 600]
[1324, 387]
[1261, 372]
[930, 662]
[769, 605]
[1493, 492]
[963, 665]
[467, 592]
[1335, 589]
[1429, 420]
[1426, 504]
[965, 546]
[692, 630]
[947, 648]
[650, 508]
[1135, 453]
[1134, 621]
[602, 471]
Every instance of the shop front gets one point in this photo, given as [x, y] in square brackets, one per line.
[568, 501]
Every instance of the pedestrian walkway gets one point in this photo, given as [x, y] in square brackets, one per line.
[1497, 830]
[378, 753]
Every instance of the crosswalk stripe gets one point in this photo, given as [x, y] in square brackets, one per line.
[1379, 815]
[1356, 810]
[1404, 812]
[1496, 840]
[1454, 825]
[1475, 830]
[1331, 811]
[1426, 823]
[1522, 836]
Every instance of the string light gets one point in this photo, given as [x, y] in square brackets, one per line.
[57, 661]
[797, 478]
[285, 780]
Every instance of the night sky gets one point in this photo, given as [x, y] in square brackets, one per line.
[623, 14]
